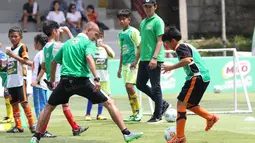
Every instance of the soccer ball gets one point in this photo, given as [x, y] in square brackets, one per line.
[171, 115]
[3, 61]
[170, 132]
[217, 89]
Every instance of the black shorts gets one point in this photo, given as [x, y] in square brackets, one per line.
[17, 95]
[31, 19]
[69, 86]
[193, 90]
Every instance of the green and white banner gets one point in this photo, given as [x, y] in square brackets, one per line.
[221, 72]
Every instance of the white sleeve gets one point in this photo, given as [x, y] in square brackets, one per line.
[49, 16]
[68, 15]
[41, 57]
[110, 50]
[78, 14]
[56, 48]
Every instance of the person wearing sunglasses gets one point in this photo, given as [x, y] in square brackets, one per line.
[74, 20]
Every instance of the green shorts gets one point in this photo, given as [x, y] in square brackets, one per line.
[105, 86]
[128, 74]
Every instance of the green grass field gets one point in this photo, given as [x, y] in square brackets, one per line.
[230, 129]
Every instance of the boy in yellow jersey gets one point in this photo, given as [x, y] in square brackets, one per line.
[3, 75]
[103, 52]
[129, 40]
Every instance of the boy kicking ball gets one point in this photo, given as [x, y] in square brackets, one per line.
[197, 80]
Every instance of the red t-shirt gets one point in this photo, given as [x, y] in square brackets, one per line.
[92, 17]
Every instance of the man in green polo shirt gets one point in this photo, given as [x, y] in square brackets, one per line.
[152, 56]
[76, 58]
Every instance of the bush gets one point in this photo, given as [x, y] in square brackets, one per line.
[239, 42]
[213, 43]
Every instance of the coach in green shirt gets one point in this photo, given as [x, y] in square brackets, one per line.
[152, 56]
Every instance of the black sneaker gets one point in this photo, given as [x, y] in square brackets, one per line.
[32, 129]
[47, 134]
[164, 108]
[15, 130]
[79, 131]
[154, 120]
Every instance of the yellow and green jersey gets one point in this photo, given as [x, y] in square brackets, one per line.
[129, 39]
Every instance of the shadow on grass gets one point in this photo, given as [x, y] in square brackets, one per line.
[19, 138]
[219, 137]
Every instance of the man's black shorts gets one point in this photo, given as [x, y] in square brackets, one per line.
[193, 90]
[17, 95]
[81, 86]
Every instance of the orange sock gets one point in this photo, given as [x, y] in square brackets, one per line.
[29, 115]
[16, 115]
[200, 111]
[181, 120]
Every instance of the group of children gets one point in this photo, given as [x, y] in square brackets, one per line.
[47, 45]
[129, 39]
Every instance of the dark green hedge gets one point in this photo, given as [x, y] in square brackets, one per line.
[241, 43]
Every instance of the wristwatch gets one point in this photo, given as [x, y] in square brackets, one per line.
[155, 57]
[97, 79]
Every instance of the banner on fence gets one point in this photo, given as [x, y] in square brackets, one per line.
[221, 72]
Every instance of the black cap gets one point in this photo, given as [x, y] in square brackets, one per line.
[149, 2]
